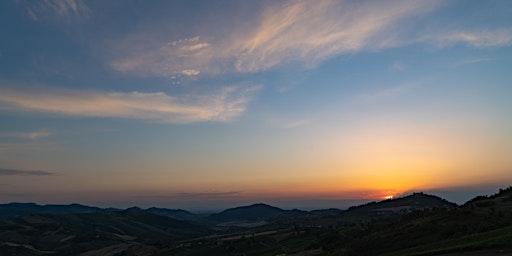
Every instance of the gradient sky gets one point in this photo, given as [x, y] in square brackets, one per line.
[203, 104]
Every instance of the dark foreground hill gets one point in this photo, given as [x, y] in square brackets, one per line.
[395, 207]
[482, 224]
[98, 233]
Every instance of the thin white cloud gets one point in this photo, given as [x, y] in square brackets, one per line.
[295, 124]
[307, 32]
[398, 66]
[312, 31]
[471, 61]
[287, 123]
[171, 59]
[390, 92]
[27, 135]
[223, 105]
[56, 9]
[190, 72]
[478, 39]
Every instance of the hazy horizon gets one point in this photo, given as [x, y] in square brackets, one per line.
[215, 103]
[458, 196]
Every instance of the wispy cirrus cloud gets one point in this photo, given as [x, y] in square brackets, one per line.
[288, 123]
[222, 105]
[298, 31]
[390, 92]
[478, 39]
[27, 135]
[57, 9]
[311, 32]
[473, 60]
[16, 172]
[294, 32]
[188, 56]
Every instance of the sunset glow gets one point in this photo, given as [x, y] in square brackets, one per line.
[204, 104]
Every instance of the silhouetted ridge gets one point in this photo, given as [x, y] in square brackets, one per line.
[252, 213]
[133, 209]
[416, 201]
[21, 209]
[174, 213]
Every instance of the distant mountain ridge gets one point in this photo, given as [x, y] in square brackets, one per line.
[255, 212]
[178, 214]
[251, 213]
[11, 210]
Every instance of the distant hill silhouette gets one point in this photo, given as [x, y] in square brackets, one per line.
[174, 213]
[255, 212]
[11, 210]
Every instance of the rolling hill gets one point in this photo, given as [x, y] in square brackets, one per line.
[70, 234]
[418, 224]
[11, 210]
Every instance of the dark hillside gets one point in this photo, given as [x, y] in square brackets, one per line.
[393, 208]
[416, 201]
[68, 234]
[255, 212]
[21, 209]
[485, 223]
[173, 213]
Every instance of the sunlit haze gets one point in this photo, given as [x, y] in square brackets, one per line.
[205, 105]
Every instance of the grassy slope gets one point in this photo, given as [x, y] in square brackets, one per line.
[73, 233]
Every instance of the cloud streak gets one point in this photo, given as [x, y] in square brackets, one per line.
[390, 92]
[477, 39]
[14, 172]
[51, 10]
[222, 105]
[208, 194]
[196, 195]
[27, 135]
[311, 32]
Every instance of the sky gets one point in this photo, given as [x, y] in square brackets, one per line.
[212, 104]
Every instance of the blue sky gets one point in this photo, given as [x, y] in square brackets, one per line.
[218, 103]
